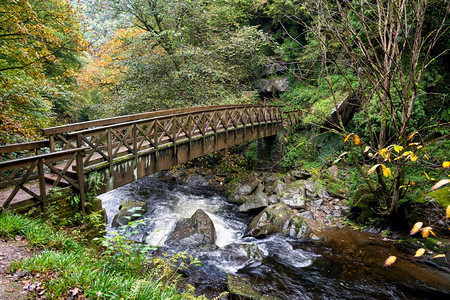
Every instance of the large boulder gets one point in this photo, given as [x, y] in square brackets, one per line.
[129, 211]
[278, 218]
[194, 232]
[271, 87]
[240, 187]
[257, 200]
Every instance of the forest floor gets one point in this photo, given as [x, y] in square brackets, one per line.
[13, 286]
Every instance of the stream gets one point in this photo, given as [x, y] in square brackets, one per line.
[344, 265]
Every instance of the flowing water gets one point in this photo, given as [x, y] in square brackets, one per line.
[346, 265]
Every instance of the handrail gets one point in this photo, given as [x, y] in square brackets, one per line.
[60, 155]
[158, 118]
[127, 118]
[24, 146]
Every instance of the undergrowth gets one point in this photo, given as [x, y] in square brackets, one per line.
[67, 265]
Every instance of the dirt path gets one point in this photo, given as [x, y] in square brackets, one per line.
[11, 286]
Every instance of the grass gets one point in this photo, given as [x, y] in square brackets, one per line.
[66, 265]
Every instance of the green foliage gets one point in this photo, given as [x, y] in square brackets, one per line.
[38, 233]
[310, 149]
[70, 265]
[177, 54]
[123, 254]
[251, 155]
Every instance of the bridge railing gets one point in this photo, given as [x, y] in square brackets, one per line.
[34, 176]
[57, 135]
[292, 117]
[107, 143]
[16, 151]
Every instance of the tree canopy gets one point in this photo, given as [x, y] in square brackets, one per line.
[39, 42]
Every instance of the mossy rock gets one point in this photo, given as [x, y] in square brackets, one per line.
[360, 209]
[194, 232]
[441, 196]
[299, 228]
[129, 211]
[278, 218]
[243, 288]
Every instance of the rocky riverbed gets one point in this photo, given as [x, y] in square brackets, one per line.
[273, 236]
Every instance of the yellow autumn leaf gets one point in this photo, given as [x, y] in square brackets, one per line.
[411, 135]
[366, 149]
[390, 260]
[446, 164]
[398, 148]
[426, 156]
[416, 228]
[419, 252]
[356, 139]
[386, 171]
[426, 231]
[439, 255]
[373, 168]
[347, 137]
[383, 153]
[428, 177]
[413, 157]
[439, 184]
[448, 212]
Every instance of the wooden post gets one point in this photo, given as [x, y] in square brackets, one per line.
[110, 154]
[42, 190]
[155, 134]
[51, 139]
[134, 133]
[189, 122]
[80, 175]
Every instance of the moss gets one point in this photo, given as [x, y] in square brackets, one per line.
[242, 288]
[361, 206]
[442, 196]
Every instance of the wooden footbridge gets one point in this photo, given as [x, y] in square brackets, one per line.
[123, 149]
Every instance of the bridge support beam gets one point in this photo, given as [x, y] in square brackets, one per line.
[127, 169]
[269, 153]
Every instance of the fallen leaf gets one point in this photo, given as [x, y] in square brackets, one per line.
[448, 211]
[356, 139]
[347, 137]
[446, 164]
[413, 157]
[426, 231]
[440, 183]
[75, 291]
[389, 261]
[416, 228]
[439, 255]
[366, 149]
[419, 252]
